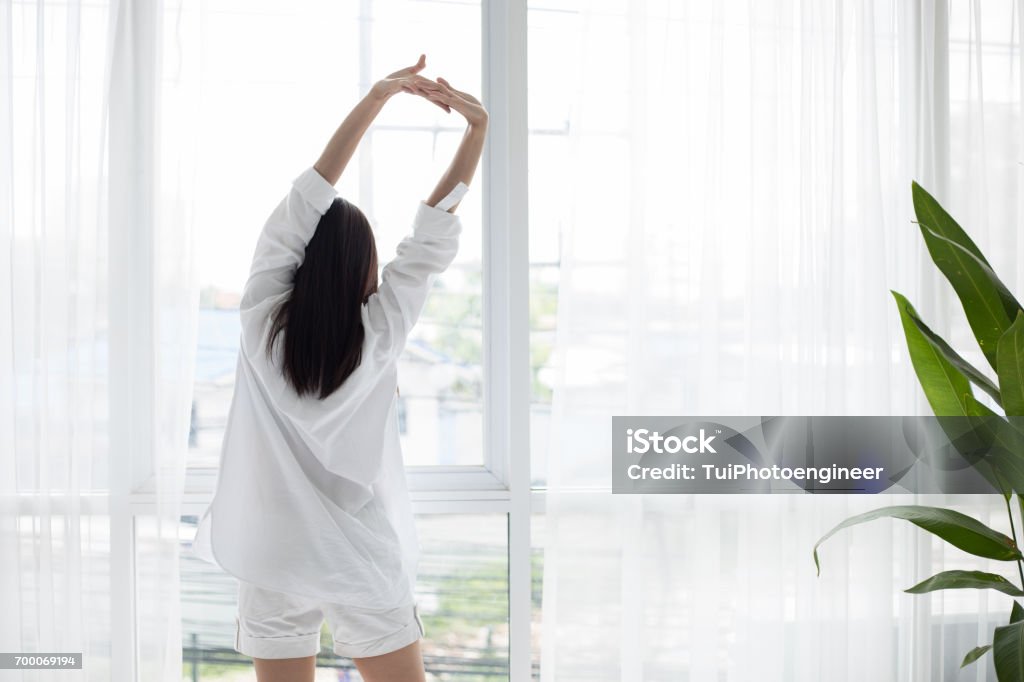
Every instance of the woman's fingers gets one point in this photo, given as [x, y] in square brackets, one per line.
[421, 87]
[449, 95]
[460, 93]
[467, 105]
[454, 97]
[424, 82]
[432, 95]
[419, 83]
[443, 84]
[448, 85]
[439, 103]
[420, 64]
[437, 91]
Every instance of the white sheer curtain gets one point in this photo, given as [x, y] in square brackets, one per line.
[97, 328]
[738, 183]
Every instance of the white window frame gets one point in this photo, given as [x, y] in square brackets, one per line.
[500, 485]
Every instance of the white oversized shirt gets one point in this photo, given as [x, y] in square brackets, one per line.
[311, 495]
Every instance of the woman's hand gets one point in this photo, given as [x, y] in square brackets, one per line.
[407, 80]
[443, 93]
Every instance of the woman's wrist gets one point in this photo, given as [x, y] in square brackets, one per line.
[380, 91]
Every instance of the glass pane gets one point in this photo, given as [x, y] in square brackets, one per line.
[280, 112]
[441, 376]
[538, 539]
[553, 34]
[462, 591]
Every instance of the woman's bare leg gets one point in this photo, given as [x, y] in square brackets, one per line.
[403, 665]
[285, 669]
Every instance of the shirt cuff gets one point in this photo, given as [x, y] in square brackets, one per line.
[436, 219]
[315, 189]
[454, 196]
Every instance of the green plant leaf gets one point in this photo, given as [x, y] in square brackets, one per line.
[1010, 367]
[929, 212]
[1008, 651]
[944, 385]
[987, 467]
[1005, 444]
[931, 215]
[1016, 613]
[975, 443]
[976, 409]
[974, 654]
[977, 287]
[959, 530]
[954, 358]
[958, 580]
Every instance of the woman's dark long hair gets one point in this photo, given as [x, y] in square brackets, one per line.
[321, 317]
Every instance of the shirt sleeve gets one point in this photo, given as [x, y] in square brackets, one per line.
[406, 279]
[281, 246]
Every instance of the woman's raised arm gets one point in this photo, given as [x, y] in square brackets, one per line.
[343, 144]
[407, 278]
[463, 166]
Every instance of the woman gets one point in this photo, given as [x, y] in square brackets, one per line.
[311, 511]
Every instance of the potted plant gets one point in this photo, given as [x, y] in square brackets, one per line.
[948, 380]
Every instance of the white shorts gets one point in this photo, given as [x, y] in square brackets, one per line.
[276, 625]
